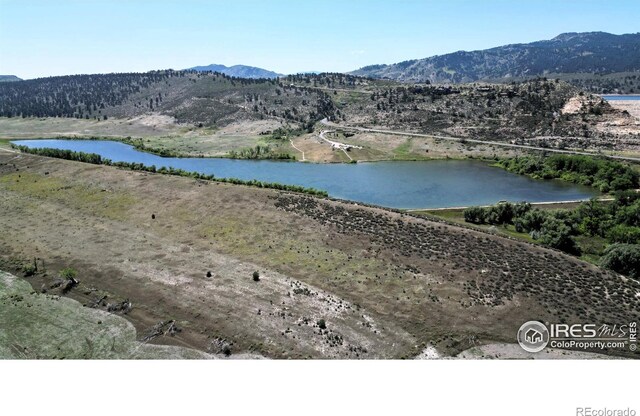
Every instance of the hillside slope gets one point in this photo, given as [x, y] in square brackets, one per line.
[200, 98]
[383, 284]
[592, 52]
[9, 78]
[536, 112]
[540, 112]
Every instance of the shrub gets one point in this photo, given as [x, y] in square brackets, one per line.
[629, 215]
[68, 273]
[256, 276]
[29, 270]
[474, 215]
[322, 324]
[624, 234]
[622, 258]
[556, 234]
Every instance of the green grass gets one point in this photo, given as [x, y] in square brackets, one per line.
[5, 143]
[113, 205]
[404, 150]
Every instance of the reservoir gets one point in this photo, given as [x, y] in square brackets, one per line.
[424, 184]
[621, 97]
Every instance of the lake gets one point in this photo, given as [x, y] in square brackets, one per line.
[424, 184]
[621, 97]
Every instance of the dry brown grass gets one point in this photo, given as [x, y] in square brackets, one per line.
[386, 284]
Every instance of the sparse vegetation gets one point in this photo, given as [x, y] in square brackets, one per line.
[381, 274]
[29, 270]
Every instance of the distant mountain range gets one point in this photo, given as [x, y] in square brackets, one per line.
[240, 71]
[568, 53]
[9, 78]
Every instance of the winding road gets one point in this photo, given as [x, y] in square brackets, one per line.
[459, 139]
[294, 146]
[338, 145]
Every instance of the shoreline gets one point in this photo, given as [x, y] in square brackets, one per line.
[575, 201]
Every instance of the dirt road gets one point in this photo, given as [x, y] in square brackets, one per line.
[486, 142]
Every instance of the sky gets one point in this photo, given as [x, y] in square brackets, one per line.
[61, 37]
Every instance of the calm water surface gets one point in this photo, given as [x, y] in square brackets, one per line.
[425, 184]
[621, 97]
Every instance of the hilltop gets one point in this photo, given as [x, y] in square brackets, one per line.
[9, 78]
[569, 53]
[240, 71]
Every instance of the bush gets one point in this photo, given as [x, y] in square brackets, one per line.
[556, 234]
[624, 234]
[533, 220]
[622, 258]
[322, 324]
[474, 215]
[629, 215]
[256, 276]
[29, 270]
[68, 273]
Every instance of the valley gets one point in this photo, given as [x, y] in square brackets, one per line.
[237, 218]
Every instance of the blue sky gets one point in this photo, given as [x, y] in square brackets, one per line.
[58, 37]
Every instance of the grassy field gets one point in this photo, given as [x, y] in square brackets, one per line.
[162, 133]
[387, 285]
[157, 132]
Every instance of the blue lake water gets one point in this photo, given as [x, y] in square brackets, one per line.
[425, 184]
[621, 97]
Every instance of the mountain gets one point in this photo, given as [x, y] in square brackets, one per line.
[239, 71]
[568, 53]
[9, 78]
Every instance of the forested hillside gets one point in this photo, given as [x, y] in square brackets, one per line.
[201, 98]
